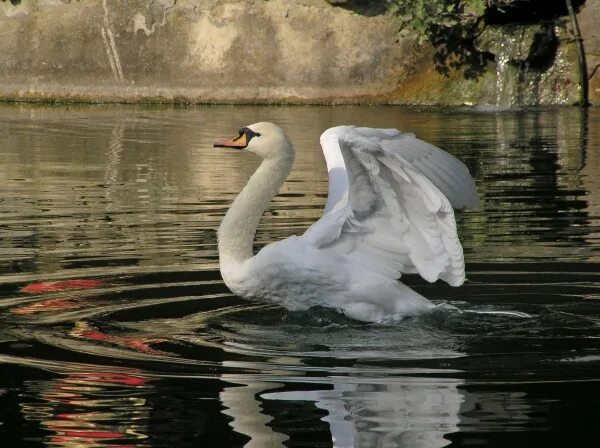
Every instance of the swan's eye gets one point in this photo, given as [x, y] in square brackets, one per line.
[257, 134]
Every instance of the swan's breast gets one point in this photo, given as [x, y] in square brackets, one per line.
[291, 273]
[237, 278]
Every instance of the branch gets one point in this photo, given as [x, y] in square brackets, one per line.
[594, 71]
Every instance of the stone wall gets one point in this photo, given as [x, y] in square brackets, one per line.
[295, 51]
[210, 50]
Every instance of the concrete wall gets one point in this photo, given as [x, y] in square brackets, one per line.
[209, 50]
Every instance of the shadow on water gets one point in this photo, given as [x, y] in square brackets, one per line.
[116, 328]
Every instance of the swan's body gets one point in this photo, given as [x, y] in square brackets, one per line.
[389, 211]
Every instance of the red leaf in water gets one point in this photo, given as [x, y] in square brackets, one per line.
[93, 434]
[48, 305]
[106, 377]
[143, 345]
[61, 285]
[69, 441]
[83, 330]
[96, 335]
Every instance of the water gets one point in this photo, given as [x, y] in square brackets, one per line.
[116, 329]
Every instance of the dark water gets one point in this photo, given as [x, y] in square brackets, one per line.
[116, 329]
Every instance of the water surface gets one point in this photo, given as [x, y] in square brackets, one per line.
[116, 328]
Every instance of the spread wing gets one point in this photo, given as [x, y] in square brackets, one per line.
[390, 203]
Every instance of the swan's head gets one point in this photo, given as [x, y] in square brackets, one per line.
[264, 139]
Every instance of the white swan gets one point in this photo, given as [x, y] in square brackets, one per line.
[389, 211]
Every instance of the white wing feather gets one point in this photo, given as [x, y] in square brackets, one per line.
[390, 203]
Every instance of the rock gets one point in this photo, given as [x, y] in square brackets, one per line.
[535, 64]
[516, 42]
[589, 25]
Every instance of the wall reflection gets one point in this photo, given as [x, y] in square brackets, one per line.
[89, 187]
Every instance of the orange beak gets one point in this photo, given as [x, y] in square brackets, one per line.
[238, 143]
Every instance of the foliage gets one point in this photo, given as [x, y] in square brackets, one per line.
[422, 17]
[451, 26]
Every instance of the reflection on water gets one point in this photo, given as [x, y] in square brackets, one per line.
[243, 406]
[91, 408]
[116, 328]
[410, 412]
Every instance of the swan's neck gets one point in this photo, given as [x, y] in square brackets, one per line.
[237, 230]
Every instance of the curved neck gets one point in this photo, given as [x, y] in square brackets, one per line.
[237, 230]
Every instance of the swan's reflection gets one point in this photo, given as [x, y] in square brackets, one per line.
[242, 405]
[406, 412]
[400, 412]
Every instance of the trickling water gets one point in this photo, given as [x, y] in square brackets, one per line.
[503, 90]
[116, 328]
[535, 64]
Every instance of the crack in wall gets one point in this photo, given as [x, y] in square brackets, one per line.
[110, 46]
